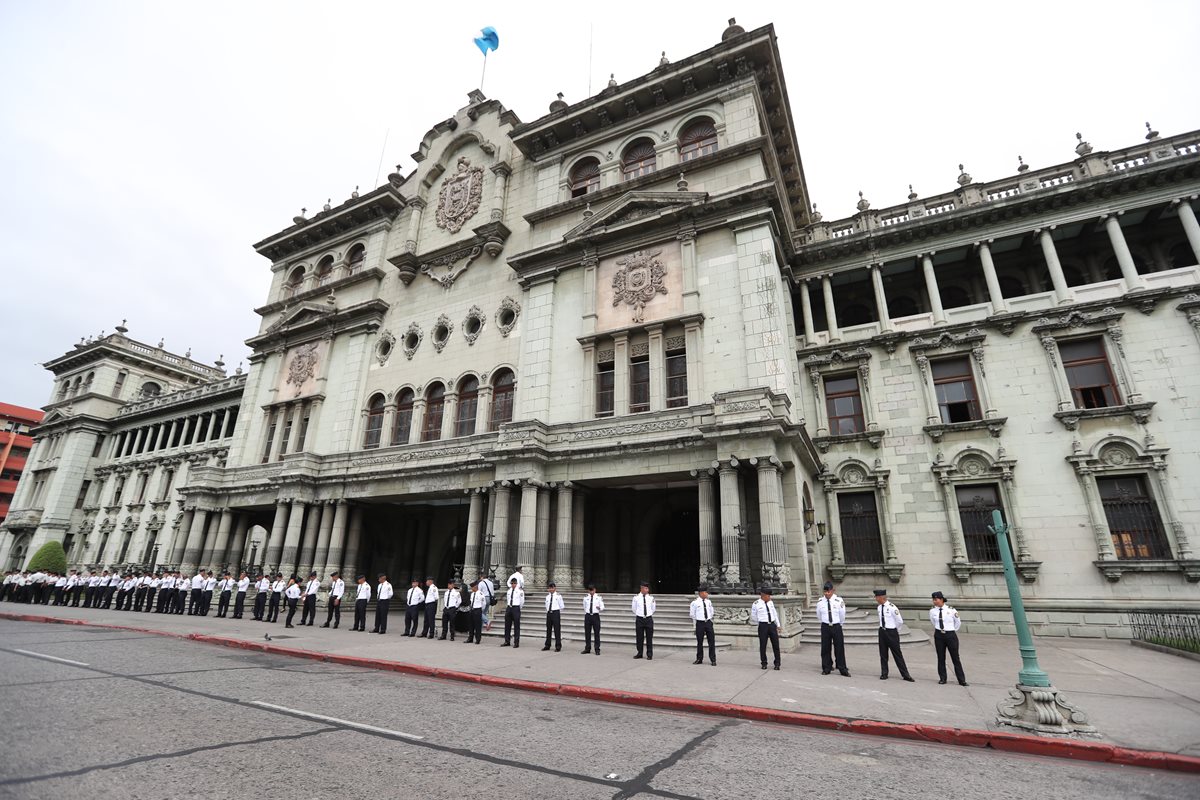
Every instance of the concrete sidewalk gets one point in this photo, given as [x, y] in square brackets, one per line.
[1135, 697]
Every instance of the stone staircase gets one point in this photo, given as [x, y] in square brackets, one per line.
[673, 628]
[861, 628]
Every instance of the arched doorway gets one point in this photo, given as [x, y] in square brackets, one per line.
[16, 556]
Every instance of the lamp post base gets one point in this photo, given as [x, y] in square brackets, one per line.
[1043, 709]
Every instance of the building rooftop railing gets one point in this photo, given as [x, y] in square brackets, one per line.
[233, 382]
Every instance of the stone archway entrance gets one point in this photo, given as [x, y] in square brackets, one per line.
[19, 552]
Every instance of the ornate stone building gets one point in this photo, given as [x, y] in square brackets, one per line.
[617, 343]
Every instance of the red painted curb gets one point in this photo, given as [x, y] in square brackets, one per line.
[958, 737]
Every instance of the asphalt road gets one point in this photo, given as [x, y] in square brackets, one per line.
[93, 713]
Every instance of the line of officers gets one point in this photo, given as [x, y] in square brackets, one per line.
[176, 593]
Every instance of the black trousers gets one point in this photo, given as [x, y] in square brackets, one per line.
[591, 626]
[129, 600]
[430, 628]
[381, 615]
[512, 625]
[412, 618]
[889, 641]
[645, 635]
[448, 616]
[223, 603]
[309, 615]
[108, 595]
[150, 592]
[87, 595]
[333, 611]
[833, 643]
[475, 632]
[120, 598]
[291, 601]
[943, 641]
[139, 597]
[260, 605]
[273, 607]
[360, 615]
[181, 598]
[704, 630]
[554, 625]
[75, 592]
[196, 603]
[239, 605]
[768, 631]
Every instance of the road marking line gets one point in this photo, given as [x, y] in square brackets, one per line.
[51, 658]
[321, 717]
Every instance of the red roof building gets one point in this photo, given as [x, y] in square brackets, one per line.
[15, 443]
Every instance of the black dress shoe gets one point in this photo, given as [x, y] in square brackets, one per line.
[826, 671]
[910, 679]
[714, 663]
[326, 625]
[943, 680]
[777, 668]
[584, 652]
[883, 677]
[698, 661]
[544, 649]
[518, 644]
[597, 651]
[845, 673]
[764, 666]
[963, 683]
[639, 655]
[506, 644]
[649, 657]
[558, 649]
[442, 638]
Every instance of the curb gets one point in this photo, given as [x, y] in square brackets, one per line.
[939, 734]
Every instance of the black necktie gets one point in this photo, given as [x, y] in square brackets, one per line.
[591, 602]
[941, 622]
[881, 617]
[645, 607]
[705, 604]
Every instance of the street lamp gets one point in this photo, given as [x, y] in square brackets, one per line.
[1033, 704]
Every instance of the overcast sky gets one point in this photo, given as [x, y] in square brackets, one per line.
[145, 146]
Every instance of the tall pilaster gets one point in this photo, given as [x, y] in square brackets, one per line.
[350, 562]
[731, 519]
[291, 543]
[499, 556]
[273, 547]
[195, 541]
[578, 498]
[562, 537]
[710, 543]
[332, 558]
[527, 528]
[320, 556]
[775, 567]
[473, 557]
[541, 545]
[216, 542]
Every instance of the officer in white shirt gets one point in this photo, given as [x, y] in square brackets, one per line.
[88, 594]
[309, 615]
[382, 604]
[277, 589]
[60, 590]
[262, 589]
[114, 580]
[554, 608]
[414, 603]
[166, 591]
[225, 594]
[889, 636]
[139, 591]
[292, 595]
[152, 591]
[361, 598]
[75, 587]
[196, 601]
[478, 600]
[593, 604]
[337, 588]
[429, 631]
[512, 613]
[519, 576]
[946, 623]
[451, 600]
[831, 611]
[239, 605]
[183, 586]
[701, 612]
[769, 625]
[210, 585]
[643, 617]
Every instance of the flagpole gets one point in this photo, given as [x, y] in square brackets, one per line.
[484, 73]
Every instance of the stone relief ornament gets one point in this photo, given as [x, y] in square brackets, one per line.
[385, 347]
[412, 340]
[639, 278]
[460, 196]
[441, 332]
[506, 315]
[302, 366]
[472, 324]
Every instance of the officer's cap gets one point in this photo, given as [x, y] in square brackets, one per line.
[938, 596]
[880, 592]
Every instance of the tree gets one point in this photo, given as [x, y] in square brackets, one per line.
[50, 557]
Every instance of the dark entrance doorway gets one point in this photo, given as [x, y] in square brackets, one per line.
[675, 551]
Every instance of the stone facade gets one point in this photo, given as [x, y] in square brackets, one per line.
[616, 344]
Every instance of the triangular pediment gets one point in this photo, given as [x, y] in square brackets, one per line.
[635, 208]
[301, 314]
[53, 416]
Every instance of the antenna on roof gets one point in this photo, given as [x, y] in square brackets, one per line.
[382, 150]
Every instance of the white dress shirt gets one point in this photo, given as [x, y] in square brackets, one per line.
[520, 580]
[833, 604]
[167, 583]
[364, 591]
[431, 595]
[71, 582]
[554, 602]
[643, 605]
[210, 584]
[278, 586]
[889, 616]
[701, 610]
[263, 585]
[60, 582]
[479, 599]
[292, 592]
[92, 581]
[944, 618]
[312, 588]
[764, 612]
[452, 598]
[337, 588]
[157, 582]
[415, 596]
[385, 591]
[243, 584]
[516, 596]
[129, 584]
[593, 603]
[224, 586]
[197, 581]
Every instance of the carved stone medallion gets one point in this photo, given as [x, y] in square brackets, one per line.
[303, 365]
[638, 279]
[460, 196]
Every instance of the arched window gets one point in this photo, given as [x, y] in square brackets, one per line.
[639, 159]
[294, 282]
[374, 423]
[150, 389]
[503, 385]
[435, 404]
[75, 386]
[698, 139]
[468, 404]
[325, 271]
[585, 177]
[355, 258]
[402, 426]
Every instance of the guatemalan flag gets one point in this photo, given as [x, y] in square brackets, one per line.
[487, 40]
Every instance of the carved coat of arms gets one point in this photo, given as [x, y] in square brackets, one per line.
[460, 196]
[303, 365]
[639, 278]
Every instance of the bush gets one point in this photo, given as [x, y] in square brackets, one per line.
[50, 557]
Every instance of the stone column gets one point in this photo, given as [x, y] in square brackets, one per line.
[195, 541]
[687, 250]
[695, 362]
[290, 553]
[332, 558]
[208, 419]
[158, 432]
[710, 544]
[770, 522]
[216, 543]
[499, 555]
[501, 171]
[320, 559]
[474, 554]
[1191, 228]
[620, 374]
[1062, 292]
[958, 544]
[141, 439]
[563, 546]
[417, 205]
[931, 289]
[810, 334]
[831, 323]
[1112, 224]
[228, 429]
[353, 543]
[237, 547]
[527, 527]
[731, 518]
[881, 307]
[179, 537]
[577, 537]
[833, 519]
[1099, 520]
[306, 550]
[418, 420]
[999, 304]
[274, 544]
[483, 409]
[450, 416]
[541, 546]
[658, 364]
